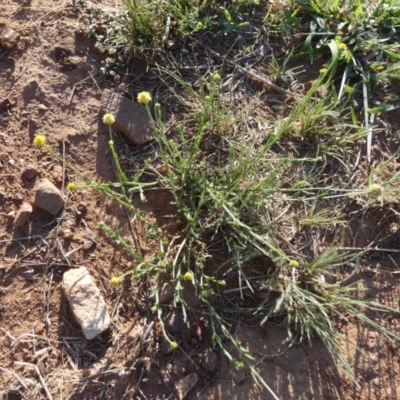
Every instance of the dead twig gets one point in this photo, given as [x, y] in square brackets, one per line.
[49, 396]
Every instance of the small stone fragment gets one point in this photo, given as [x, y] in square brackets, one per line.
[48, 197]
[239, 376]
[130, 118]
[67, 234]
[8, 37]
[39, 329]
[29, 172]
[166, 293]
[196, 332]
[210, 360]
[185, 385]
[174, 322]
[86, 302]
[11, 214]
[42, 107]
[23, 214]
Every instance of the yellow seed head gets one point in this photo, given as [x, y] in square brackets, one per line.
[39, 140]
[144, 98]
[217, 76]
[115, 281]
[111, 143]
[71, 186]
[188, 276]
[375, 190]
[108, 119]
[174, 345]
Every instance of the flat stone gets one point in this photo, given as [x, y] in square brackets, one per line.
[8, 37]
[210, 360]
[86, 302]
[174, 321]
[130, 118]
[23, 214]
[48, 197]
[185, 385]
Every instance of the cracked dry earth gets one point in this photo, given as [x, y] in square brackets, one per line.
[47, 85]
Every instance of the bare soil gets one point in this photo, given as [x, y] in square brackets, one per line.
[43, 353]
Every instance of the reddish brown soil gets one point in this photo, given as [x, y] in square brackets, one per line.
[37, 329]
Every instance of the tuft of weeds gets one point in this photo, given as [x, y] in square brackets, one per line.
[258, 206]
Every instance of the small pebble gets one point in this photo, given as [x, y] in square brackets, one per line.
[210, 360]
[11, 214]
[29, 172]
[67, 234]
[174, 322]
[185, 385]
[23, 214]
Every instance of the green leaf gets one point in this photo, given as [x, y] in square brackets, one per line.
[392, 55]
[383, 108]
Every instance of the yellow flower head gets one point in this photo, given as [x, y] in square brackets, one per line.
[174, 345]
[323, 70]
[217, 76]
[158, 105]
[39, 140]
[108, 119]
[342, 46]
[144, 98]
[115, 281]
[111, 143]
[199, 25]
[294, 264]
[188, 276]
[375, 190]
[71, 186]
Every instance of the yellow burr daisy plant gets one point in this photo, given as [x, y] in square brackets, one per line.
[115, 281]
[108, 119]
[144, 98]
[217, 77]
[174, 345]
[188, 276]
[39, 140]
[71, 186]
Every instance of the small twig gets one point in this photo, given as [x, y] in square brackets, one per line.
[250, 74]
[16, 376]
[76, 84]
[39, 375]
[63, 167]
[38, 237]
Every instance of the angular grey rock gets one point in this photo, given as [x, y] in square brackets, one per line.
[23, 214]
[130, 118]
[185, 385]
[86, 302]
[210, 360]
[48, 197]
[174, 322]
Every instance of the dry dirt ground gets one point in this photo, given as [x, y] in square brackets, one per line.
[43, 353]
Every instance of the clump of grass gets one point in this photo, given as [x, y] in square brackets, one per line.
[247, 199]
